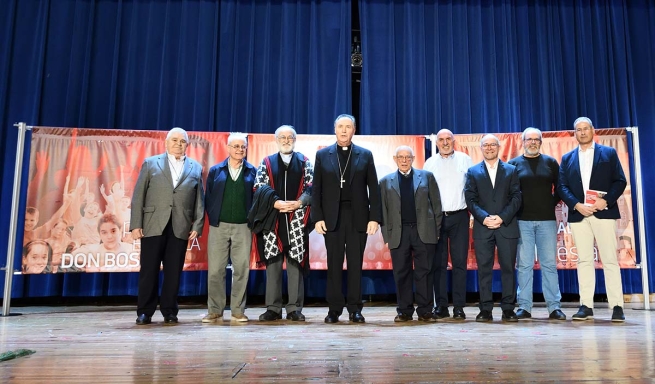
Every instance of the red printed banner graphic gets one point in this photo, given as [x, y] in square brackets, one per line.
[81, 181]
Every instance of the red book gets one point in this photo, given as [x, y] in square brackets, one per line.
[591, 195]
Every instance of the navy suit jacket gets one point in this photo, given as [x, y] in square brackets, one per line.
[483, 199]
[363, 181]
[606, 175]
[216, 180]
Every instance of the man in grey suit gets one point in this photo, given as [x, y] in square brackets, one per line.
[411, 216]
[167, 212]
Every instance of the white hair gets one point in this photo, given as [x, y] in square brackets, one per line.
[530, 130]
[404, 148]
[583, 119]
[285, 128]
[237, 136]
[178, 130]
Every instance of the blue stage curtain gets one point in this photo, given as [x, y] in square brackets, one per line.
[501, 66]
[226, 65]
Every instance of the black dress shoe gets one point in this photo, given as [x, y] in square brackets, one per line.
[270, 315]
[332, 317]
[170, 319]
[557, 315]
[356, 317]
[440, 312]
[522, 314]
[458, 313]
[295, 316]
[427, 317]
[143, 320]
[509, 315]
[484, 316]
[617, 314]
[584, 313]
[401, 318]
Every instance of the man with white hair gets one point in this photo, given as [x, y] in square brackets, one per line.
[228, 200]
[538, 175]
[593, 172]
[411, 217]
[167, 212]
[287, 178]
[493, 196]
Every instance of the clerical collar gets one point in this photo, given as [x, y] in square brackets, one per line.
[172, 158]
[346, 148]
[286, 157]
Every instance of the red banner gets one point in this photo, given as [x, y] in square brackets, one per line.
[79, 175]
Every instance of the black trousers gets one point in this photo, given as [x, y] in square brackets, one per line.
[484, 254]
[344, 238]
[416, 270]
[454, 236]
[168, 250]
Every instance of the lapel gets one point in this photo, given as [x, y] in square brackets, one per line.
[355, 162]
[417, 180]
[332, 154]
[395, 183]
[575, 164]
[162, 162]
[185, 171]
[487, 179]
[597, 154]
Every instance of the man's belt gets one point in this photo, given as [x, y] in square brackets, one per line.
[450, 213]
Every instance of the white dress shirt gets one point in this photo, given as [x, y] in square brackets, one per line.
[586, 161]
[493, 170]
[177, 167]
[450, 173]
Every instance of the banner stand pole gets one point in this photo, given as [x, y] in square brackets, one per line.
[642, 222]
[9, 271]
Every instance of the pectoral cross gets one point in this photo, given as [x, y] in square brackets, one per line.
[342, 181]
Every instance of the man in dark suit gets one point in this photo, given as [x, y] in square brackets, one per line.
[411, 216]
[167, 212]
[594, 167]
[345, 208]
[493, 196]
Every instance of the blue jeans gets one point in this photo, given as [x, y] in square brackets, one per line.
[543, 234]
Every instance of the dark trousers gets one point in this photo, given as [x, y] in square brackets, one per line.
[168, 250]
[344, 238]
[420, 275]
[484, 254]
[454, 236]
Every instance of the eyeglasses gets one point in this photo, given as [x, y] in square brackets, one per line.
[404, 158]
[532, 140]
[286, 138]
[237, 147]
[489, 145]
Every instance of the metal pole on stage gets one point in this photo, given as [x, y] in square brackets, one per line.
[9, 272]
[640, 214]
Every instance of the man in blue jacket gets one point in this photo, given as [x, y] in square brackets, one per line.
[596, 168]
[227, 202]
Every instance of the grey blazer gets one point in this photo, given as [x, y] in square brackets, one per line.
[428, 207]
[154, 200]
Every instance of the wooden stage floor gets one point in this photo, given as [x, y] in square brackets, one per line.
[103, 344]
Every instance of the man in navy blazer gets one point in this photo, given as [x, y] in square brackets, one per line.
[411, 215]
[345, 208]
[593, 167]
[493, 196]
[227, 201]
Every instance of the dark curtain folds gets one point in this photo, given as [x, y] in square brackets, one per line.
[203, 65]
[501, 66]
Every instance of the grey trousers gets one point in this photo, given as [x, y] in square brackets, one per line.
[228, 241]
[295, 286]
